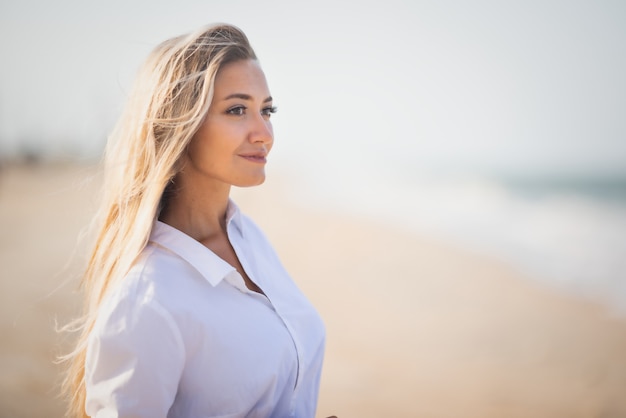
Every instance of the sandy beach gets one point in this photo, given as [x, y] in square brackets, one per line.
[416, 326]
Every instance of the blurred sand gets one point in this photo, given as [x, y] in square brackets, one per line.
[416, 327]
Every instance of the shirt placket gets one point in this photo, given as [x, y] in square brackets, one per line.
[241, 285]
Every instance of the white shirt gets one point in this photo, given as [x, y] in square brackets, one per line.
[182, 336]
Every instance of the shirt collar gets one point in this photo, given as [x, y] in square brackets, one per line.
[206, 262]
[233, 214]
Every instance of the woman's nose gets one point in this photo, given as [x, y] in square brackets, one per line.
[262, 130]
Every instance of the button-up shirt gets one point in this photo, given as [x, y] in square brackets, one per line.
[182, 335]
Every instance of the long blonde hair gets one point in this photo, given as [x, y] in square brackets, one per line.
[167, 104]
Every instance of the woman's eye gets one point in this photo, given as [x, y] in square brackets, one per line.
[237, 110]
[268, 111]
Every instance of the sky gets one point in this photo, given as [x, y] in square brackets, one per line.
[488, 86]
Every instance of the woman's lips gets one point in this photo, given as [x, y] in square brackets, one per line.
[255, 158]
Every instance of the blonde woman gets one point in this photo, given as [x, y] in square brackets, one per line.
[189, 312]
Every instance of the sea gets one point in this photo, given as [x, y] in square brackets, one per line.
[568, 232]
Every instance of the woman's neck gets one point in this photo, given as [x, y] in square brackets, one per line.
[197, 208]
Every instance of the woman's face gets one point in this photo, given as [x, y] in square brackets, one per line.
[232, 143]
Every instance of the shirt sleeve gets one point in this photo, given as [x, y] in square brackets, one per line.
[135, 357]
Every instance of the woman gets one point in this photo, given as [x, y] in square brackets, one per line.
[189, 312]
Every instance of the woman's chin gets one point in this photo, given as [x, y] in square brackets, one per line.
[251, 181]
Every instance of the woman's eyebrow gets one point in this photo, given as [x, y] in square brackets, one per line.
[244, 96]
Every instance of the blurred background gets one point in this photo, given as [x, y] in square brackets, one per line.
[497, 128]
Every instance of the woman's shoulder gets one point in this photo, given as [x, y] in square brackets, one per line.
[157, 263]
[153, 279]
